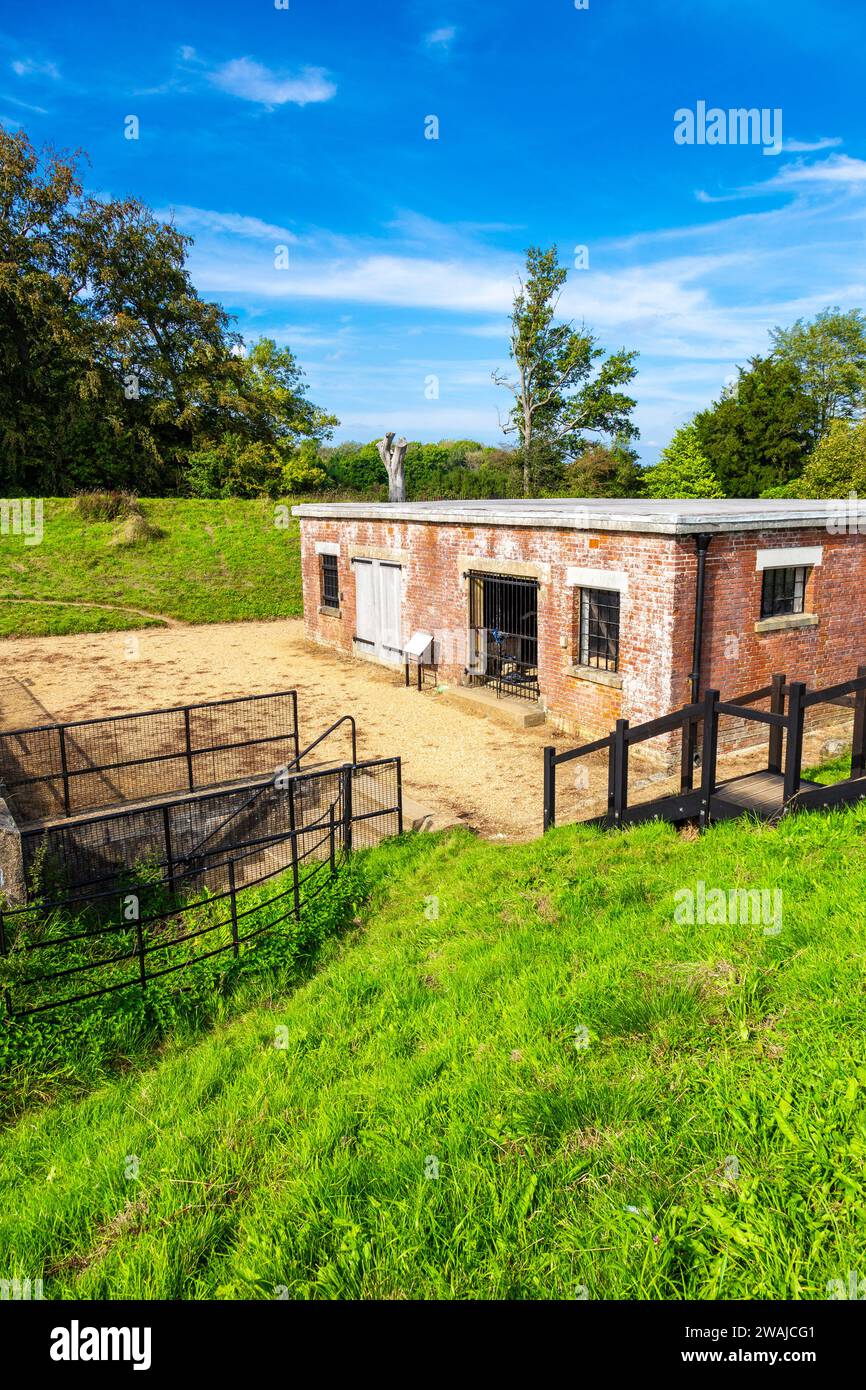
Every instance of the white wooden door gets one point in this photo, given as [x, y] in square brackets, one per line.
[390, 615]
[378, 610]
[365, 602]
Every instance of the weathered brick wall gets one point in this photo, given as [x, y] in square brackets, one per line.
[657, 610]
[435, 597]
[736, 658]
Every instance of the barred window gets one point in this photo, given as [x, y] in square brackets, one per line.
[330, 582]
[599, 629]
[784, 591]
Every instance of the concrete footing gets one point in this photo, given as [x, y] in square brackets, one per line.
[520, 714]
[13, 886]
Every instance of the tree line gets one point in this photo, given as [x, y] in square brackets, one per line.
[116, 374]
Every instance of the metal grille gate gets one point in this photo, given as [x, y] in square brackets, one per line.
[503, 630]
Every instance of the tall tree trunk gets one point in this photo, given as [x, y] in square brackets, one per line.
[393, 455]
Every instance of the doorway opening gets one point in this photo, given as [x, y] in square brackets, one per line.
[503, 634]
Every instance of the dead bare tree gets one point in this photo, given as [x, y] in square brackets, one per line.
[393, 455]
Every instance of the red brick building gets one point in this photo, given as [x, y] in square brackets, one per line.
[594, 609]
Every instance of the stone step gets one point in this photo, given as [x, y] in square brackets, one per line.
[522, 714]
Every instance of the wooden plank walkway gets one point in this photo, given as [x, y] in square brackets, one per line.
[760, 792]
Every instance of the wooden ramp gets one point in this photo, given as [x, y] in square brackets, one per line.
[762, 793]
[768, 794]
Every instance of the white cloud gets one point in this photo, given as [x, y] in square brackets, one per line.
[696, 301]
[838, 169]
[251, 81]
[232, 223]
[441, 38]
[810, 146]
[27, 106]
[30, 67]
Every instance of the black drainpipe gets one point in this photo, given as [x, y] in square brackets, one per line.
[702, 545]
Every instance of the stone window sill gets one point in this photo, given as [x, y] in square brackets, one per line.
[598, 677]
[328, 612]
[787, 622]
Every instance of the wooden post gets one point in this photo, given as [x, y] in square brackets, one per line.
[794, 748]
[687, 757]
[777, 706]
[620, 781]
[611, 777]
[858, 741]
[549, 789]
[709, 754]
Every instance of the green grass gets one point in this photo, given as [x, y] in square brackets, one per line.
[38, 620]
[617, 1103]
[837, 770]
[220, 561]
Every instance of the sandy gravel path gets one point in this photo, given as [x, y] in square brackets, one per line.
[463, 765]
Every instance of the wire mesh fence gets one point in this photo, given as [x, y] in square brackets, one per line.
[62, 769]
[191, 833]
[155, 914]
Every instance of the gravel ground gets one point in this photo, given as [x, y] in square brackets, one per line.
[463, 766]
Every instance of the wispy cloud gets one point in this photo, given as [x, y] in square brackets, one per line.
[696, 301]
[441, 38]
[233, 223]
[252, 81]
[31, 67]
[26, 106]
[810, 146]
[838, 169]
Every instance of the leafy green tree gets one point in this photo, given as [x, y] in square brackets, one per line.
[601, 470]
[682, 469]
[112, 369]
[838, 465]
[830, 354]
[235, 467]
[301, 473]
[563, 386]
[273, 400]
[759, 434]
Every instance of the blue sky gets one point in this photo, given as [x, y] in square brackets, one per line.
[304, 127]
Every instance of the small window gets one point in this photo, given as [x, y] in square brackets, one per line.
[599, 629]
[330, 582]
[784, 592]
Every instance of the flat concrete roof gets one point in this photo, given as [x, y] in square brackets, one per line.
[682, 517]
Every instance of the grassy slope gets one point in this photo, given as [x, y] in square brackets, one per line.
[217, 562]
[606, 1166]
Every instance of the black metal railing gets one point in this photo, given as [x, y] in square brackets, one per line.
[183, 831]
[141, 926]
[62, 769]
[785, 719]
